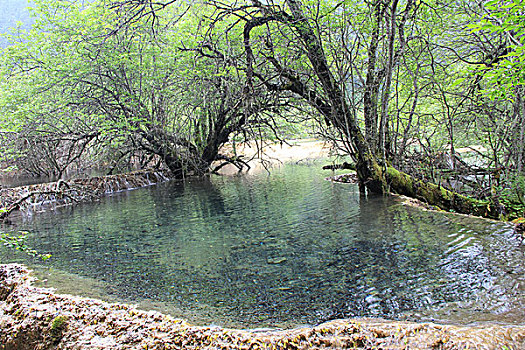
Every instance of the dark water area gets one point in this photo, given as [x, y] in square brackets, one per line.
[280, 250]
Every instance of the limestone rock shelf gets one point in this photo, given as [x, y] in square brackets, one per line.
[36, 318]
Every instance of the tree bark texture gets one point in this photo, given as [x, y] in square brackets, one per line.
[375, 177]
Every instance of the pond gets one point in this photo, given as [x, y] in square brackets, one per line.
[279, 250]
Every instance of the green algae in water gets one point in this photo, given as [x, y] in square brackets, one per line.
[284, 249]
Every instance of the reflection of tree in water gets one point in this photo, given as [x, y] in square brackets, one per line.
[268, 252]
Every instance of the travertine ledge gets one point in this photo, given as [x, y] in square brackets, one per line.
[36, 318]
[41, 197]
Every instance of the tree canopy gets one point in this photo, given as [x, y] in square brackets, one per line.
[425, 97]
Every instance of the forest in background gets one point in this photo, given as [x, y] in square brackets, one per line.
[425, 97]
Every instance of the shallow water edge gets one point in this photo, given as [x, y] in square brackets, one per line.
[36, 318]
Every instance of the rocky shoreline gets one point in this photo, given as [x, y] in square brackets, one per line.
[36, 318]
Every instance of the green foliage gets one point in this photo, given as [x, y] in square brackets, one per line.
[58, 323]
[506, 72]
[512, 196]
[58, 326]
[18, 243]
[163, 87]
[176, 86]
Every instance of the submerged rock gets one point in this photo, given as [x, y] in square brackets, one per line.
[276, 260]
[36, 318]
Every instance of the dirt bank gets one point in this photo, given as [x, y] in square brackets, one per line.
[36, 318]
[261, 156]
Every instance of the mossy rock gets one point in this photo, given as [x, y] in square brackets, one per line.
[58, 325]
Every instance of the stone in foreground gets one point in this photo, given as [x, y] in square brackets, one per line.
[36, 318]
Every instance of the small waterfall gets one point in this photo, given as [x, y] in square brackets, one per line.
[127, 185]
[49, 195]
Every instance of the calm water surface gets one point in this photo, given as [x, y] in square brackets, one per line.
[280, 249]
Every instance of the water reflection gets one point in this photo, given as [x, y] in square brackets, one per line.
[285, 249]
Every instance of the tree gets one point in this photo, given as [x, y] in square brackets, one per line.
[270, 29]
[500, 77]
[148, 87]
[378, 75]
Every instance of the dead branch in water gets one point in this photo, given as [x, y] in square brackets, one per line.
[345, 165]
[74, 191]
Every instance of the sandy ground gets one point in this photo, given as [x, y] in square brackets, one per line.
[36, 318]
[270, 154]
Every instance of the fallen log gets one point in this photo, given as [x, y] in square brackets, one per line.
[344, 165]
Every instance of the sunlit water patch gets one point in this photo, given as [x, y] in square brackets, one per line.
[280, 249]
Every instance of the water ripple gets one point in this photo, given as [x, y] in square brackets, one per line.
[285, 249]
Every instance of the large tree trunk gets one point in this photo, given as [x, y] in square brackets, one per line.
[368, 169]
[433, 194]
[182, 157]
[372, 173]
[373, 80]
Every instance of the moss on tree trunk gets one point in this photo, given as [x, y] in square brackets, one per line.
[402, 183]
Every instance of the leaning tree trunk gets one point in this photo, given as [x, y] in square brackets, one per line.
[433, 194]
[368, 169]
[377, 177]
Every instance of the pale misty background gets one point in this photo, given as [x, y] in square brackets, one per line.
[11, 12]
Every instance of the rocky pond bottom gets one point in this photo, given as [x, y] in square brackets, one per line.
[281, 250]
[35, 318]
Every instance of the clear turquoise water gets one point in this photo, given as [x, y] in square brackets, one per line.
[280, 249]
